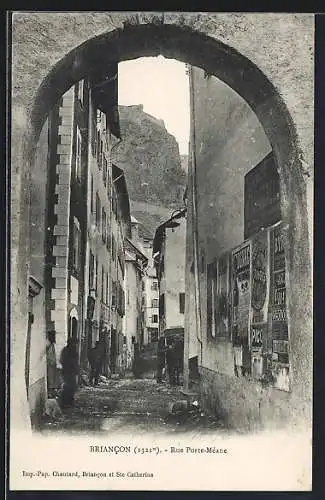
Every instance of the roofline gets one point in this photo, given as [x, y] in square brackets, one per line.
[121, 187]
[157, 240]
[144, 257]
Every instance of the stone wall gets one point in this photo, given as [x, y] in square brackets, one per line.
[244, 405]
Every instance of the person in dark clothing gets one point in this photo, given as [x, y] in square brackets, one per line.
[70, 369]
[51, 370]
[170, 360]
[95, 361]
[161, 361]
[136, 368]
[178, 360]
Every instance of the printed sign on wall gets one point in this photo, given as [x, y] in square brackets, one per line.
[279, 324]
[260, 288]
[278, 312]
[241, 293]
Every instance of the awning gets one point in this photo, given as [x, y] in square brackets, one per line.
[174, 332]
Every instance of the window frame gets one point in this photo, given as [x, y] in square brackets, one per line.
[78, 165]
[153, 317]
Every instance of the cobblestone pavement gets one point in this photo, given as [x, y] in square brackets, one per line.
[128, 405]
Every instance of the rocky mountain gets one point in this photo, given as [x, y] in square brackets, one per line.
[149, 156]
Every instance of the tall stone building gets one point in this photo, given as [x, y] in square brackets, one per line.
[135, 269]
[76, 290]
[150, 296]
[101, 220]
[169, 256]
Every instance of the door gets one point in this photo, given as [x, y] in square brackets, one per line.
[113, 351]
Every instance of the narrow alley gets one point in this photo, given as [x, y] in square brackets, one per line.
[131, 405]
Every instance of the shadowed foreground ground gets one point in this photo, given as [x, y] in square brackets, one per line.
[129, 405]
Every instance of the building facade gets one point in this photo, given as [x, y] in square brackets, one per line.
[103, 134]
[135, 268]
[74, 296]
[66, 216]
[169, 254]
[150, 296]
[236, 268]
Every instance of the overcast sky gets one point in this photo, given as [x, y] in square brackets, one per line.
[161, 85]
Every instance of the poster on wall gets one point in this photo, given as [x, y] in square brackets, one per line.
[278, 312]
[241, 300]
[259, 301]
[218, 323]
[222, 297]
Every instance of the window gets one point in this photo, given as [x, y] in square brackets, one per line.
[93, 133]
[143, 286]
[154, 303]
[154, 334]
[97, 210]
[96, 275]
[154, 318]
[113, 248]
[105, 171]
[113, 293]
[108, 236]
[162, 266]
[154, 285]
[161, 305]
[98, 146]
[104, 222]
[76, 245]
[91, 270]
[92, 195]
[81, 91]
[182, 303]
[102, 284]
[78, 155]
[107, 283]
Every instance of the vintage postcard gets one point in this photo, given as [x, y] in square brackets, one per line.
[161, 317]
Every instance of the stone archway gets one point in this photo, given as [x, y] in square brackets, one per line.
[42, 74]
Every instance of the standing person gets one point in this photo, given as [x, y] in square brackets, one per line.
[51, 370]
[95, 361]
[70, 369]
[178, 360]
[170, 363]
[161, 361]
[136, 361]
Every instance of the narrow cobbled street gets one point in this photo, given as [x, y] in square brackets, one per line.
[130, 405]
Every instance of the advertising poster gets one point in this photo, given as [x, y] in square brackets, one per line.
[241, 300]
[278, 313]
[259, 301]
